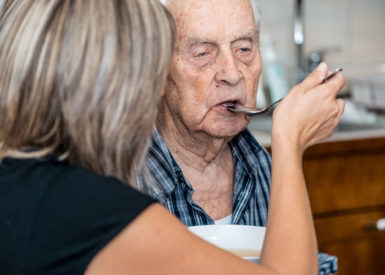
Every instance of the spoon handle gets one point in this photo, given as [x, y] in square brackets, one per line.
[254, 111]
[331, 75]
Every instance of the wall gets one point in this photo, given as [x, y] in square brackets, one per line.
[354, 29]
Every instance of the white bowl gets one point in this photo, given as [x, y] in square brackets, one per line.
[238, 239]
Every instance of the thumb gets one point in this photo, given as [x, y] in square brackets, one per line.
[316, 77]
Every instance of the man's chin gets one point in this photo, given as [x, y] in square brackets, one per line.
[226, 131]
[225, 126]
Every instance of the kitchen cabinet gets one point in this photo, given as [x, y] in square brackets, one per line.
[346, 184]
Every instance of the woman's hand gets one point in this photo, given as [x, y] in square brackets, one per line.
[310, 111]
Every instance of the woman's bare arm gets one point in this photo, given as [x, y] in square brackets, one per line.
[307, 115]
[157, 243]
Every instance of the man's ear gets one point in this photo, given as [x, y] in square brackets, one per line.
[166, 86]
[163, 92]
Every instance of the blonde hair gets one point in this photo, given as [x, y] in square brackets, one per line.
[81, 79]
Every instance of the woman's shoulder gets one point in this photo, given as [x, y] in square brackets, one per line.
[71, 211]
[62, 183]
[50, 171]
[96, 207]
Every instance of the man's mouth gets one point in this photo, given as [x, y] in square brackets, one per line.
[230, 103]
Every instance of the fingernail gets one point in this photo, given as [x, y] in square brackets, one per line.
[322, 67]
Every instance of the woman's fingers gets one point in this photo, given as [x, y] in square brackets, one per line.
[341, 104]
[315, 78]
[326, 127]
[311, 111]
[335, 84]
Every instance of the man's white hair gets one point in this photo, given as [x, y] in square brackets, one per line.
[254, 6]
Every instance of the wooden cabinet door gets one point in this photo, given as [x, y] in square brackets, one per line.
[345, 175]
[353, 238]
[346, 183]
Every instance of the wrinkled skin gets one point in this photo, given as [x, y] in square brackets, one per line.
[216, 59]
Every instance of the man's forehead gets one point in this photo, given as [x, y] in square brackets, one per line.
[212, 19]
[196, 38]
[214, 8]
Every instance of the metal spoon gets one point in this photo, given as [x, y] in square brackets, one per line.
[257, 111]
[249, 110]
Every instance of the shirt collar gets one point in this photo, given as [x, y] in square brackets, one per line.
[167, 173]
[246, 150]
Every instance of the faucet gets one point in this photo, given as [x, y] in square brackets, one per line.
[315, 57]
[299, 40]
[305, 65]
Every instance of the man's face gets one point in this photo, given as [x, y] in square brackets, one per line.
[216, 60]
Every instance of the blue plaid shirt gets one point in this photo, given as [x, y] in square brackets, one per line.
[251, 187]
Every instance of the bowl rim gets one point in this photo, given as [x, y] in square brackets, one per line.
[235, 228]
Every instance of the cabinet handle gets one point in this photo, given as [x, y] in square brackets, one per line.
[379, 225]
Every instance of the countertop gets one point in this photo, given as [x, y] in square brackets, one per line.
[260, 127]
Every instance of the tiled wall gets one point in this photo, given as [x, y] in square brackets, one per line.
[353, 29]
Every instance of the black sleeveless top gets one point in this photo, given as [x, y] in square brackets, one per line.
[54, 218]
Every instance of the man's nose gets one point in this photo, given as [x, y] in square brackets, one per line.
[228, 71]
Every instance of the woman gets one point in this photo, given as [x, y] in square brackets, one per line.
[80, 83]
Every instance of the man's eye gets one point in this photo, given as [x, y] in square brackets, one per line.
[202, 54]
[244, 50]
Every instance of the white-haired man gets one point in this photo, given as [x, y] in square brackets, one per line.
[208, 167]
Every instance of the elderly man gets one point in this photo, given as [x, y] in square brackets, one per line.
[208, 167]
